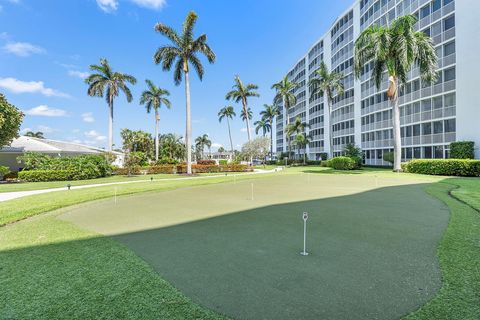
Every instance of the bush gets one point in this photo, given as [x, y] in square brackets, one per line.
[45, 175]
[169, 169]
[4, 171]
[462, 150]
[444, 167]
[166, 160]
[388, 157]
[13, 175]
[314, 162]
[235, 167]
[223, 162]
[127, 171]
[206, 162]
[342, 163]
[199, 168]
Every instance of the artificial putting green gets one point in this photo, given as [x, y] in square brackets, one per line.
[372, 244]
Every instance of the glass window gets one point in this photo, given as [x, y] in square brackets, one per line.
[416, 130]
[438, 152]
[417, 153]
[449, 74]
[445, 2]
[450, 100]
[425, 11]
[409, 153]
[427, 152]
[436, 4]
[426, 128]
[449, 125]
[449, 48]
[438, 127]
[437, 102]
[449, 23]
[408, 131]
[426, 105]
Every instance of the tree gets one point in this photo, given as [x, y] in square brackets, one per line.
[221, 150]
[257, 148]
[285, 91]
[263, 125]
[172, 148]
[10, 120]
[201, 142]
[183, 52]
[246, 115]
[301, 141]
[240, 93]
[395, 49]
[153, 98]
[109, 83]
[269, 113]
[37, 134]
[297, 127]
[227, 113]
[137, 141]
[328, 84]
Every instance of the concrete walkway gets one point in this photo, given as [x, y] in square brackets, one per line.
[5, 196]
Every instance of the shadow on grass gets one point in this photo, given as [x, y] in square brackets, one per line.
[369, 258]
[332, 171]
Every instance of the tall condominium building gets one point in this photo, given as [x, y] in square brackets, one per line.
[432, 115]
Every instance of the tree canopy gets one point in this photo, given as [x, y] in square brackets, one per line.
[10, 120]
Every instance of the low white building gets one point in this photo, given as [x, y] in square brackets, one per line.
[54, 148]
[217, 156]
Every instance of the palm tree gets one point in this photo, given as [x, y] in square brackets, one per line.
[201, 142]
[302, 140]
[327, 83]
[183, 53]
[153, 98]
[297, 127]
[37, 134]
[269, 113]
[228, 113]
[241, 93]
[263, 125]
[395, 49]
[109, 83]
[285, 91]
[246, 114]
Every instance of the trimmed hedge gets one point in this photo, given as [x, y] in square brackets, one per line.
[168, 168]
[462, 150]
[46, 175]
[342, 163]
[444, 167]
[206, 162]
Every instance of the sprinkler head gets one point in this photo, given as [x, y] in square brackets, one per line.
[68, 186]
[151, 178]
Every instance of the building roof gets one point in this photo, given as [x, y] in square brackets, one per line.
[31, 144]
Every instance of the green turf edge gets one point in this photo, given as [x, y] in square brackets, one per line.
[459, 255]
[18, 209]
[70, 273]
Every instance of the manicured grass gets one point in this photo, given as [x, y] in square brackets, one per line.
[459, 253]
[52, 269]
[25, 186]
[21, 208]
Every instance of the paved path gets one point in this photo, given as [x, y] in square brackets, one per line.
[5, 196]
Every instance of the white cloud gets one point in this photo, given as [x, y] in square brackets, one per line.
[45, 129]
[150, 4]
[23, 49]
[18, 86]
[216, 145]
[108, 5]
[78, 74]
[94, 136]
[88, 117]
[46, 111]
[3, 35]
[76, 130]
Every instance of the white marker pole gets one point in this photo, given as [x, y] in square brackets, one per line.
[305, 218]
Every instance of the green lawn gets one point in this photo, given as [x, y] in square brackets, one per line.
[53, 268]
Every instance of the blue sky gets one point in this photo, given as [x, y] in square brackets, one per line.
[46, 47]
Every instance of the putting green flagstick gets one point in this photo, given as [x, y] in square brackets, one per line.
[305, 218]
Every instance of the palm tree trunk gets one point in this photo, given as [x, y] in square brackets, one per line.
[188, 129]
[271, 140]
[287, 122]
[245, 108]
[304, 154]
[397, 139]
[110, 125]
[157, 120]
[230, 135]
[330, 131]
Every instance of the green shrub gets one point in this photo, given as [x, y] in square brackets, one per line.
[223, 162]
[313, 162]
[45, 175]
[444, 167]
[206, 162]
[388, 157]
[462, 150]
[168, 168]
[342, 163]
[4, 171]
